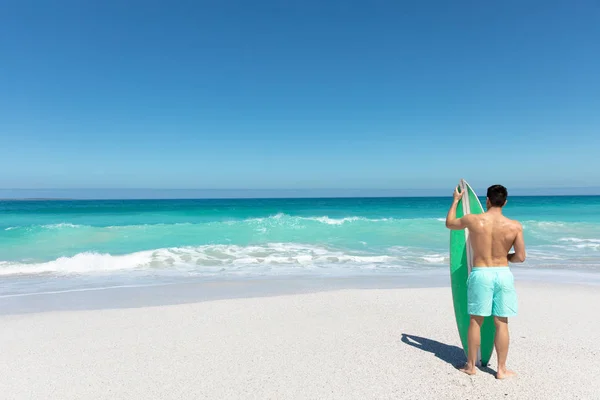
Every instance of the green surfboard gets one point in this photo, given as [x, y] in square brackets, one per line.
[461, 262]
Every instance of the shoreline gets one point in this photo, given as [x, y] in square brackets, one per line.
[204, 290]
[167, 294]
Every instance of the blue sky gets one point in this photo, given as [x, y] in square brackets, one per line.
[275, 94]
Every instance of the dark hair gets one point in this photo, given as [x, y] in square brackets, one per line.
[497, 195]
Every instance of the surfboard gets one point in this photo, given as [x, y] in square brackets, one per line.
[461, 263]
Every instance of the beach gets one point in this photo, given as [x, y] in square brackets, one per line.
[338, 344]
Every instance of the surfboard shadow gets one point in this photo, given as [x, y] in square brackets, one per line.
[453, 355]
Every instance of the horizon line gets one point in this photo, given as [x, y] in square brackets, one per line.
[286, 189]
[232, 194]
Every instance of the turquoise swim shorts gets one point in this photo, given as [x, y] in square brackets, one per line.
[491, 291]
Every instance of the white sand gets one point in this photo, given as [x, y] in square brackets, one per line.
[340, 344]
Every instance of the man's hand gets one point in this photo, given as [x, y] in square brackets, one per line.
[458, 195]
[519, 244]
[451, 221]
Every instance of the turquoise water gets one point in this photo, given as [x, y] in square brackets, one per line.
[65, 245]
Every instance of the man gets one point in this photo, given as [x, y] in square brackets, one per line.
[491, 289]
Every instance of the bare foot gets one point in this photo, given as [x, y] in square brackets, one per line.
[468, 369]
[505, 373]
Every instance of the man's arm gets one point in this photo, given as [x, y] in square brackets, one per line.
[519, 245]
[451, 221]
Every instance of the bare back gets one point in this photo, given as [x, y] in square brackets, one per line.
[492, 236]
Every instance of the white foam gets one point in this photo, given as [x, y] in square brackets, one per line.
[540, 255]
[579, 243]
[86, 289]
[588, 246]
[78, 264]
[263, 222]
[579, 240]
[333, 221]
[435, 259]
[546, 224]
[61, 225]
[280, 217]
[340, 221]
[201, 259]
[326, 219]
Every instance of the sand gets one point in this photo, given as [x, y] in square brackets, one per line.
[342, 344]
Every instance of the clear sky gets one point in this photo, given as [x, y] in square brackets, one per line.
[305, 94]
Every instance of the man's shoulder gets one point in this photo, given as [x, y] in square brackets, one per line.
[474, 217]
[479, 217]
[515, 224]
[473, 221]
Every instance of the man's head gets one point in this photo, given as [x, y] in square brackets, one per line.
[496, 196]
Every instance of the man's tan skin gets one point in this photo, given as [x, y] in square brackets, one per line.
[492, 236]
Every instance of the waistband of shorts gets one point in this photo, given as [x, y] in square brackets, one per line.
[498, 269]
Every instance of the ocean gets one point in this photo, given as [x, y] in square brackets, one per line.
[48, 246]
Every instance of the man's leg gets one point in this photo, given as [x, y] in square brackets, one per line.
[474, 341]
[501, 342]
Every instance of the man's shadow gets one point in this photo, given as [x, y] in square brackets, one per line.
[453, 355]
